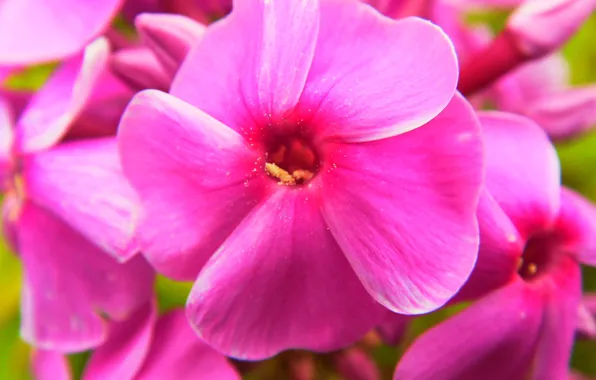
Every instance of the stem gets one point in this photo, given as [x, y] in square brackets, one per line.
[490, 64]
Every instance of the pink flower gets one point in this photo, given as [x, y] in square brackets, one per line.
[34, 31]
[542, 26]
[541, 91]
[539, 27]
[165, 41]
[533, 236]
[538, 89]
[148, 347]
[311, 166]
[67, 207]
[144, 347]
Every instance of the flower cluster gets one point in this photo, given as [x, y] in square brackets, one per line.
[323, 171]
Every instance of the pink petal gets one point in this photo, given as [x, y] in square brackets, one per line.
[6, 140]
[403, 209]
[140, 68]
[177, 353]
[254, 63]
[17, 100]
[53, 108]
[532, 81]
[542, 26]
[373, 77]
[500, 250]
[565, 113]
[57, 313]
[32, 31]
[68, 280]
[170, 37]
[523, 173]
[577, 226]
[100, 202]
[103, 109]
[193, 198]
[589, 301]
[278, 282]
[127, 346]
[559, 322]
[50, 365]
[493, 339]
[586, 322]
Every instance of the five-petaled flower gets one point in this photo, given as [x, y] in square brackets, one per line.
[311, 164]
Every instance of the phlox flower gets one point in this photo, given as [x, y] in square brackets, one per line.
[165, 41]
[533, 237]
[143, 347]
[67, 209]
[539, 89]
[34, 31]
[312, 165]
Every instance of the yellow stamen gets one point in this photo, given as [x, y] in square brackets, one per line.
[284, 177]
[532, 269]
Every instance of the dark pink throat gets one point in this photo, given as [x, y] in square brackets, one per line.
[541, 254]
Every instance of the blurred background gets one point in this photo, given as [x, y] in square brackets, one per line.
[578, 162]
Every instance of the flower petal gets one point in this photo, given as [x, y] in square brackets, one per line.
[82, 183]
[103, 109]
[6, 140]
[31, 31]
[403, 209]
[280, 281]
[586, 322]
[169, 36]
[55, 106]
[523, 173]
[373, 77]
[67, 280]
[50, 365]
[500, 250]
[254, 62]
[565, 113]
[559, 322]
[577, 226]
[194, 177]
[493, 339]
[140, 69]
[56, 312]
[127, 346]
[177, 353]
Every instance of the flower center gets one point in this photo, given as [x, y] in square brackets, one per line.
[540, 254]
[291, 160]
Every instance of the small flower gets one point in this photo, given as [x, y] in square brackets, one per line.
[67, 208]
[165, 41]
[533, 237]
[310, 166]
